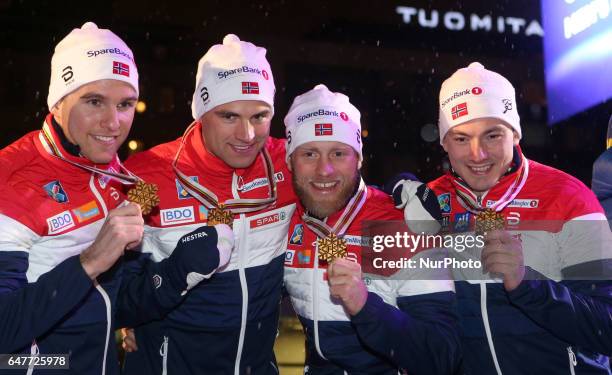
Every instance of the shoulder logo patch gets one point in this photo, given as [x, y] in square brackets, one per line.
[297, 235]
[180, 190]
[55, 190]
[445, 203]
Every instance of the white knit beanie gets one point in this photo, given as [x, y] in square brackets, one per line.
[322, 115]
[86, 55]
[475, 92]
[234, 70]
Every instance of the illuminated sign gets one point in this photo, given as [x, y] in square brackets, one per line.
[455, 21]
[577, 55]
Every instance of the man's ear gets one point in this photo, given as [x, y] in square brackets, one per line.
[290, 164]
[516, 138]
[56, 111]
[444, 143]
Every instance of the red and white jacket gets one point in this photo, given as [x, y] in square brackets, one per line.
[50, 212]
[558, 319]
[246, 292]
[389, 332]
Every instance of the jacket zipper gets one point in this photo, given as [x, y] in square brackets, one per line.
[105, 297]
[572, 360]
[315, 299]
[485, 321]
[242, 255]
[163, 351]
[108, 324]
[34, 352]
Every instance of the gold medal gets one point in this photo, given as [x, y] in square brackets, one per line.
[145, 195]
[489, 220]
[331, 247]
[220, 215]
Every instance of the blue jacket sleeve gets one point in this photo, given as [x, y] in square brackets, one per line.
[149, 290]
[577, 311]
[29, 310]
[420, 337]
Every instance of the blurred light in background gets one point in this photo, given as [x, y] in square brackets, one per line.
[141, 106]
[135, 146]
[429, 133]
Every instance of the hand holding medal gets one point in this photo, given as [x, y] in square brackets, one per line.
[346, 283]
[503, 252]
[503, 255]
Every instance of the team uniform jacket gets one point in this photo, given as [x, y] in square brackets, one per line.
[227, 324]
[50, 211]
[405, 324]
[557, 320]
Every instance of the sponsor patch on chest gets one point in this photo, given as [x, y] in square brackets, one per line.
[86, 212]
[519, 203]
[60, 222]
[258, 182]
[177, 215]
[273, 218]
[289, 255]
[279, 216]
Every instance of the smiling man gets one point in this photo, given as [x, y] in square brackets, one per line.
[224, 169]
[65, 224]
[85, 110]
[353, 326]
[481, 166]
[544, 298]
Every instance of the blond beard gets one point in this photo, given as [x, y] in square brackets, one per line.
[321, 209]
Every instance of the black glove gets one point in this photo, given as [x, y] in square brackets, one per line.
[393, 186]
[420, 204]
[200, 253]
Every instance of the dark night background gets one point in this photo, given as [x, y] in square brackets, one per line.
[391, 71]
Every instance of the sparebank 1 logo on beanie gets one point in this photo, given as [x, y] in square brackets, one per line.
[475, 92]
[234, 70]
[86, 55]
[322, 115]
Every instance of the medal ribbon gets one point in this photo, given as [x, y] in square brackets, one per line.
[210, 200]
[46, 137]
[322, 230]
[470, 202]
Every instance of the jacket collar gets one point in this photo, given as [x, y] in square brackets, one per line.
[50, 145]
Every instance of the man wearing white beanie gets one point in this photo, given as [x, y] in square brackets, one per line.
[65, 223]
[224, 169]
[530, 309]
[379, 327]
